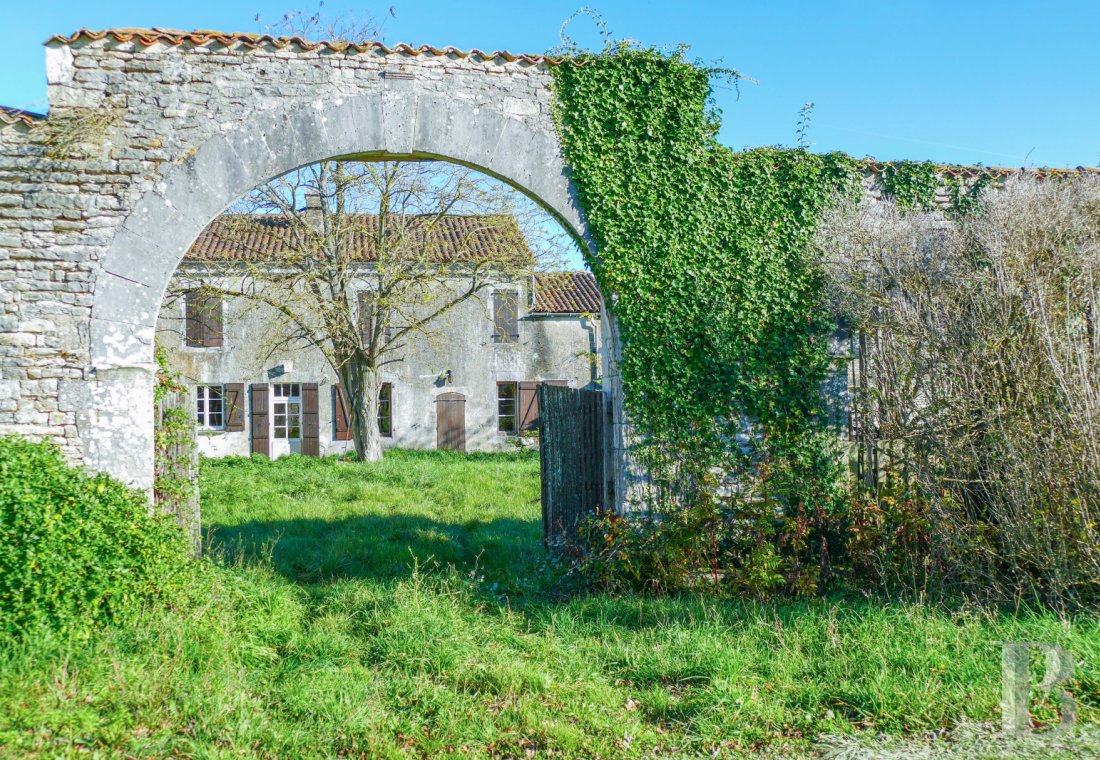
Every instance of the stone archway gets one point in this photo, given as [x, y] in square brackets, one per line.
[148, 246]
[196, 121]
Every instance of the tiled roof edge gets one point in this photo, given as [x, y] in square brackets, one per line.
[556, 298]
[202, 38]
[19, 116]
[874, 166]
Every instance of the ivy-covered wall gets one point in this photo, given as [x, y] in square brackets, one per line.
[723, 324]
[721, 319]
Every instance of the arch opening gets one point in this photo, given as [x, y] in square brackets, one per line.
[165, 222]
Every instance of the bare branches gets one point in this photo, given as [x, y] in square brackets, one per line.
[317, 25]
[980, 375]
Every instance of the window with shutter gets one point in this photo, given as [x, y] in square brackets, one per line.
[385, 410]
[506, 316]
[204, 320]
[366, 319]
[342, 412]
[210, 407]
[506, 407]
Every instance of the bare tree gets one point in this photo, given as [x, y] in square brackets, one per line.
[357, 258]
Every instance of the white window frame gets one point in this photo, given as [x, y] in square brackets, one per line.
[514, 416]
[203, 400]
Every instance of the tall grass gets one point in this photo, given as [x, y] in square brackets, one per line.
[406, 608]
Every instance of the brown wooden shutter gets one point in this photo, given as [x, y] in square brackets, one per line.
[341, 414]
[528, 405]
[261, 437]
[311, 430]
[203, 318]
[213, 321]
[234, 407]
[506, 316]
[192, 304]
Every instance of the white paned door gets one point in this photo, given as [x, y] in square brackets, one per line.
[286, 419]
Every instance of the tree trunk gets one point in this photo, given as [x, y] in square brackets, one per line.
[362, 384]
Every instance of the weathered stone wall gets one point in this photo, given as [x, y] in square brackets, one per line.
[151, 136]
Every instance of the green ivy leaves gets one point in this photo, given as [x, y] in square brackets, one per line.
[720, 315]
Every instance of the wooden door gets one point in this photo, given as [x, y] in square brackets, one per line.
[450, 421]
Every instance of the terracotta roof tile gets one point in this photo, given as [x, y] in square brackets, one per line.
[19, 116]
[566, 293]
[203, 38]
[256, 237]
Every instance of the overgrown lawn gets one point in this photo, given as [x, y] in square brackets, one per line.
[407, 607]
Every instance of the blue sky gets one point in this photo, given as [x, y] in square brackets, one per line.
[969, 81]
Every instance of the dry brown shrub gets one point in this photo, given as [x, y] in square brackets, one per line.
[979, 379]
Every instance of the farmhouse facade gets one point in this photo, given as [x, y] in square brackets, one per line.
[469, 383]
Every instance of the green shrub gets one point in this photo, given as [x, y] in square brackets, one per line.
[739, 546]
[77, 549]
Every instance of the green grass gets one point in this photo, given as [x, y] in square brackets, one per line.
[407, 608]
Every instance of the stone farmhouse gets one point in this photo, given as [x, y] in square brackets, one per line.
[470, 384]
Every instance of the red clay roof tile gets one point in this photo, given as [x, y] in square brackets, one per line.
[566, 293]
[258, 237]
[19, 116]
[203, 38]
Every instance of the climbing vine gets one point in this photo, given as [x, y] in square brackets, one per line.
[723, 325]
[964, 196]
[915, 185]
[173, 445]
[912, 184]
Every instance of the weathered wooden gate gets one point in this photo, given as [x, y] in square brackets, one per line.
[572, 448]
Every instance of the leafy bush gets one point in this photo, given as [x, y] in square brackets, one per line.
[78, 549]
[741, 545]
